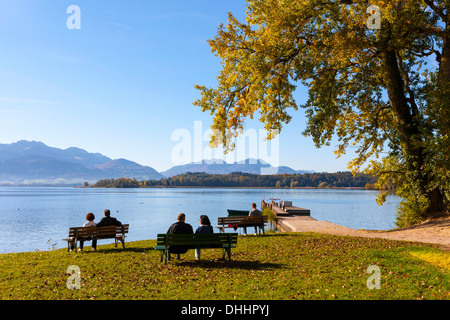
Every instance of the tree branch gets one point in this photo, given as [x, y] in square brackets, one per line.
[438, 11]
[411, 100]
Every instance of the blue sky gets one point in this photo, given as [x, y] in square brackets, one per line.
[123, 83]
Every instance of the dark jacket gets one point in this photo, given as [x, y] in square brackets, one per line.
[108, 221]
[179, 227]
[204, 229]
[255, 213]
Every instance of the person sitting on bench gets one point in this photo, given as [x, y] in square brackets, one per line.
[107, 220]
[90, 223]
[253, 213]
[204, 227]
[179, 227]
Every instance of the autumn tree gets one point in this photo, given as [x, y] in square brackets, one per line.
[378, 78]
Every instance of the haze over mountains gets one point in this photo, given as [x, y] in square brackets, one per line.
[33, 162]
[218, 166]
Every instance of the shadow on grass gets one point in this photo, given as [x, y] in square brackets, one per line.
[118, 250]
[207, 264]
[226, 264]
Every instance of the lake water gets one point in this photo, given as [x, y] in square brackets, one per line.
[38, 218]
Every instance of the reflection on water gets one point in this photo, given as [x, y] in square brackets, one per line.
[38, 218]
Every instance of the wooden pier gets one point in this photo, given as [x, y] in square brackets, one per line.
[284, 208]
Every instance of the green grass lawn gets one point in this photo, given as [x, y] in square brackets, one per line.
[276, 266]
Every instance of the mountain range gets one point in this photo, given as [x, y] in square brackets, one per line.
[218, 166]
[33, 162]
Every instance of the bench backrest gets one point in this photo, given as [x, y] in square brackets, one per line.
[248, 220]
[196, 239]
[98, 232]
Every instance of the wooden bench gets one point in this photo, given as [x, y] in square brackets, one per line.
[89, 233]
[247, 221]
[226, 241]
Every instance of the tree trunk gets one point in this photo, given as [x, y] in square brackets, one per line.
[409, 132]
[444, 67]
[436, 206]
[407, 126]
[436, 197]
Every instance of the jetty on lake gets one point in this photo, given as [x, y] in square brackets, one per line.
[283, 208]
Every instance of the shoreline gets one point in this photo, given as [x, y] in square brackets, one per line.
[224, 187]
[433, 231]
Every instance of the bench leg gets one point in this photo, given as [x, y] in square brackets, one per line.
[262, 228]
[122, 241]
[164, 253]
[226, 251]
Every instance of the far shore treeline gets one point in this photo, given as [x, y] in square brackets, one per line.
[247, 180]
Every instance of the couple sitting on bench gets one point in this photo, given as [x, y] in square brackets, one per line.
[107, 220]
[181, 227]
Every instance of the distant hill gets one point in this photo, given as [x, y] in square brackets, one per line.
[38, 149]
[217, 166]
[33, 162]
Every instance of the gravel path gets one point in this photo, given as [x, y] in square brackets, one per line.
[436, 231]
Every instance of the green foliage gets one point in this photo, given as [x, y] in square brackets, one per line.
[117, 183]
[276, 266]
[239, 179]
[409, 211]
[271, 217]
[371, 89]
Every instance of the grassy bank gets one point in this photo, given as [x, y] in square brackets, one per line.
[276, 266]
